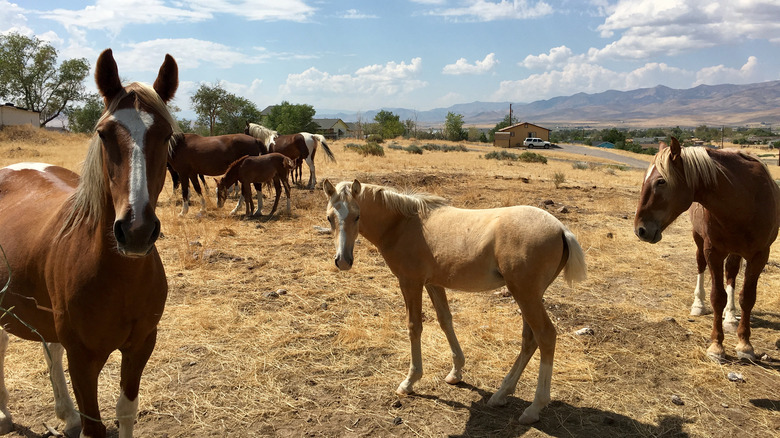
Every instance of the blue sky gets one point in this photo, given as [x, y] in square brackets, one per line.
[415, 54]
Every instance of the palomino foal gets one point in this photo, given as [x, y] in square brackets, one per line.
[427, 243]
[85, 276]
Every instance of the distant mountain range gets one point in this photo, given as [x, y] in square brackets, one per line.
[712, 105]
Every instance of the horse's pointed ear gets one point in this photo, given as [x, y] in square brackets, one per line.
[247, 123]
[167, 79]
[107, 76]
[675, 148]
[662, 145]
[328, 188]
[356, 187]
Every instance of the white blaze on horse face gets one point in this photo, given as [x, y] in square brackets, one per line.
[342, 211]
[649, 171]
[136, 122]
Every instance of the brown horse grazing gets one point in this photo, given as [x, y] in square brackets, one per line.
[84, 271]
[192, 154]
[741, 213]
[427, 243]
[248, 170]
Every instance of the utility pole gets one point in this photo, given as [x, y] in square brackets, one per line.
[510, 114]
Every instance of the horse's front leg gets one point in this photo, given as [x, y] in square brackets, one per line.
[312, 173]
[63, 404]
[84, 367]
[246, 193]
[444, 316]
[412, 292]
[185, 195]
[698, 307]
[718, 300]
[278, 189]
[238, 205]
[747, 299]
[133, 363]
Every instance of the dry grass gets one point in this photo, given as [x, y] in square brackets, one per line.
[324, 358]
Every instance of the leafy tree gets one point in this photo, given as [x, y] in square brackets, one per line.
[234, 114]
[287, 118]
[500, 125]
[207, 103]
[390, 125]
[29, 75]
[85, 118]
[453, 127]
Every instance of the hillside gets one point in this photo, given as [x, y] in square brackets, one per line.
[712, 105]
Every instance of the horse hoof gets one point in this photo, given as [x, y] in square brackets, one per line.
[496, 401]
[715, 356]
[730, 326]
[528, 418]
[73, 432]
[700, 311]
[6, 425]
[453, 379]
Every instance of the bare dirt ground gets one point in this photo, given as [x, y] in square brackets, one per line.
[263, 336]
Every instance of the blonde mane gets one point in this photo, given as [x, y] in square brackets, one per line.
[408, 204]
[699, 168]
[86, 203]
[262, 133]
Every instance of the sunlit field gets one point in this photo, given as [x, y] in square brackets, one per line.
[263, 336]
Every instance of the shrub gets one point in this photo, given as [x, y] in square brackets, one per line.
[372, 148]
[375, 138]
[579, 165]
[444, 147]
[501, 155]
[395, 147]
[414, 149]
[558, 179]
[532, 157]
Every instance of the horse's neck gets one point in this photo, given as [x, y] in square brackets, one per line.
[734, 196]
[377, 221]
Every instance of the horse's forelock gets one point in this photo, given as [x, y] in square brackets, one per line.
[698, 167]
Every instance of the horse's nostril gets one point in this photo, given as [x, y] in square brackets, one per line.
[641, 231]
[119, 233]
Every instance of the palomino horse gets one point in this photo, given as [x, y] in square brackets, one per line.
[733, 263]
[741, 213]
[248, 170]
[299, 147]
[192, 154]
[427, 243]
[84, 271]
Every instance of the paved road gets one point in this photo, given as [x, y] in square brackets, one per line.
[602, 153]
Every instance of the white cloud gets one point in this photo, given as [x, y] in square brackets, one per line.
[720, 74]
[13, 20]
[462, 66]
[366, 86]
[557, 57]
[648, 28]
[484, 10]
[353, 14]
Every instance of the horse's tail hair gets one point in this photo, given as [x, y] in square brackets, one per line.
[575, 269]
[328, 153]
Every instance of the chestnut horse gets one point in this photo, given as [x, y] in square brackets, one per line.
[84, 270]
[299, 147]
[248, 170]
[740, 211]
[427, 243]
[192, 154]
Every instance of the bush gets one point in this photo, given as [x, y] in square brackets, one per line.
[375, 138]
[414, 149]
[558, 179]
[579, 165]
[372, 148]
[501, 155]
[532, 157]
[395, 147]
[444, 147]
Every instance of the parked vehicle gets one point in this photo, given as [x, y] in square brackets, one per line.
[535, 142]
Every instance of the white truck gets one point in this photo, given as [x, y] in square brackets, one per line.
[535, 142]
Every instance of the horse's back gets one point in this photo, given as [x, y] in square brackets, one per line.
[211, 155]
[31, 199]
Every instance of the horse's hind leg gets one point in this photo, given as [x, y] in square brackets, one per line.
[733, 263]
[259, 190]
[196, 186]
[63, 404]
[278, 189]
[185, 195]
[538, 331]
[747, 299]
[286, 192]
[6, 424]
[312, 175]
[699, 308]
[443, 314]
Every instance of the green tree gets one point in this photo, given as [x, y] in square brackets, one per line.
[390, 125]
[453, 127]
[287, 118]
[29, 76]
[234, 114]
[207, 103]
[85, 118]
[500, 125]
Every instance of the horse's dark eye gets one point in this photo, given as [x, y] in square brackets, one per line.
[661, 182]
[357, 218]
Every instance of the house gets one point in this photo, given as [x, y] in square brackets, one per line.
[13, 115]
[332, 128]
[513, 136]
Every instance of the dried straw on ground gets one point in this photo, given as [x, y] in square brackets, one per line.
[323, 357]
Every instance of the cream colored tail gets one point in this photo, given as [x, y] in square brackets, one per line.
[576, 269]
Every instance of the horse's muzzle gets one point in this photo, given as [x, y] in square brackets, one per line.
[343, 263]
[136, 238]
[649, 232]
